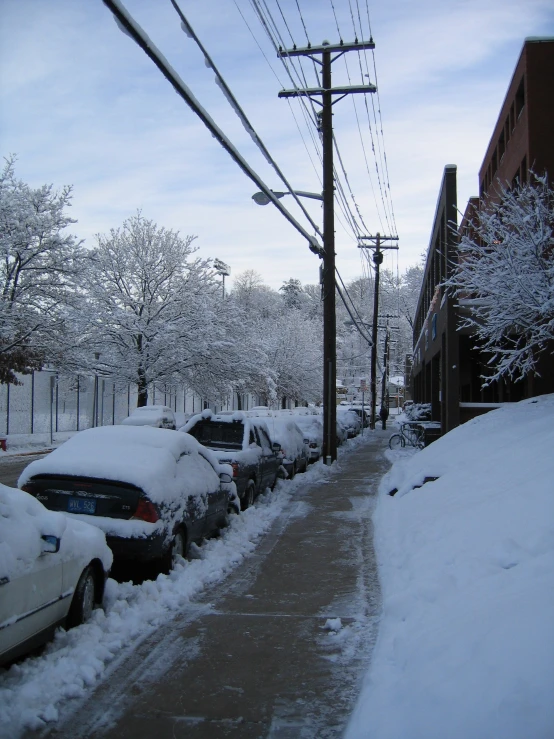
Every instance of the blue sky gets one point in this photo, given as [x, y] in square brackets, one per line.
[81, 104]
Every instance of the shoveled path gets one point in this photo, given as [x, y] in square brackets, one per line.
[253, 659]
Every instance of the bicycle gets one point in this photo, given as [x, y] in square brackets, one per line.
[410, 435]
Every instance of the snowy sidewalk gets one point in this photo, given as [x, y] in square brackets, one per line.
[280, 647]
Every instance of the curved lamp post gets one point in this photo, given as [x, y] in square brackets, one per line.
[260, 198]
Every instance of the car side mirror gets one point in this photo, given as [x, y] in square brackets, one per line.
[225, 477]
[50, 544]
[276, 447]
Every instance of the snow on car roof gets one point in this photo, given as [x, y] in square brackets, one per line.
[24, 520]
[139, 455]
[153, 408]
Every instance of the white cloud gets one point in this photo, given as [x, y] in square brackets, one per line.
[82, 104]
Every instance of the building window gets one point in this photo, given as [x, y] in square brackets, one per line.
[494, 164]
[523, 171]
[501, 145]
[520, 99]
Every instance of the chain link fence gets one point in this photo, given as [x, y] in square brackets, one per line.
[48, 403]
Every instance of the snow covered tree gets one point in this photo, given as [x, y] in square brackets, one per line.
[153, 311]
[293, 294]
[504, 279]
[39, 265]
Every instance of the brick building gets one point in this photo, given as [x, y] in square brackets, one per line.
[447, 367]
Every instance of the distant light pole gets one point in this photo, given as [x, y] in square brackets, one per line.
[224, 270]
[95, 394]
[260, 198]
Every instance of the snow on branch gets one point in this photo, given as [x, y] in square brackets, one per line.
[504, 279]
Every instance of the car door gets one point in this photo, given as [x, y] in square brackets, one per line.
[216, 495]
[32, 600]
[270, 461]
[195, 497]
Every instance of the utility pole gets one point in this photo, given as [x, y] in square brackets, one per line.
[384, 383]
[377, 261]
[326, 92]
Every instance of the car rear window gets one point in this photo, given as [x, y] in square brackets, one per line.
[222, 435]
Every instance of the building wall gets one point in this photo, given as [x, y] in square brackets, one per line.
[447, 366]
[522, 137]
[435, 371]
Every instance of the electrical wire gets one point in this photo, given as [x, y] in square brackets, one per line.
[241, 114]
[132, 29]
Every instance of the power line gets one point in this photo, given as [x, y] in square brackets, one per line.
[240, 113]
[131, 28]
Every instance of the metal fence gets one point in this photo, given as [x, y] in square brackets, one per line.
[46, 402]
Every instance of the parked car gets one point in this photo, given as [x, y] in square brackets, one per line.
[244, 442]
[363, 413]
[159, 416]
[342, 431]
[294, 448]
[351, 420]
[52, 572]
[312, 428]
[151, 491]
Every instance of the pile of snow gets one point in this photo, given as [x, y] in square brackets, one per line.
[466, 643]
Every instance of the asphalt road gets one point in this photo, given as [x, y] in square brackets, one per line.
[251, 658]
[12, 466]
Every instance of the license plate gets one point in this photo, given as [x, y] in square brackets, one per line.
[81, 505]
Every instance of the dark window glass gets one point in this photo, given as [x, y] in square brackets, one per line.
[210, 433]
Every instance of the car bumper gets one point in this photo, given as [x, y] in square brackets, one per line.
[144, 549]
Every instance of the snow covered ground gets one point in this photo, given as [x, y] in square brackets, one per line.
[33, 691]
[466, 643]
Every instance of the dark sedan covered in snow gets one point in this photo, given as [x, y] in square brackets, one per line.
[152, 491]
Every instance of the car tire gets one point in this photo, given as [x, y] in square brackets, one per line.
[280, 475]
[249, 494]
[84, 599]
[292, 473]
[396, 441]
[179, 548]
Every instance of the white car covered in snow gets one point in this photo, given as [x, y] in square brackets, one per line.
[52, 572]
[294, 448]
[312, 429]
[159, 416]
[153, 492]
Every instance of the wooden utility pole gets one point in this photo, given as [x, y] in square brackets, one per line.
[377, 261]
[323, 55]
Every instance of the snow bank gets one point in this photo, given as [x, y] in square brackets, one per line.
[466, 643]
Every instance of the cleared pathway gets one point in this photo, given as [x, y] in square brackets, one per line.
[262, 654]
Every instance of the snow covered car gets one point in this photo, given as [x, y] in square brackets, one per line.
[151, 491]
[159, 416]
[284, 431]
[52, 572]
[244, 442]
[351, 420]
[312, 429]
[342, 431]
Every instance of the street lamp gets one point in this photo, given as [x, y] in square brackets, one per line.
[222, 269]
[95, 392]
[260, 198]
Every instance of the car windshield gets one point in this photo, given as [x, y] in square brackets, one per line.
[221, 435]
